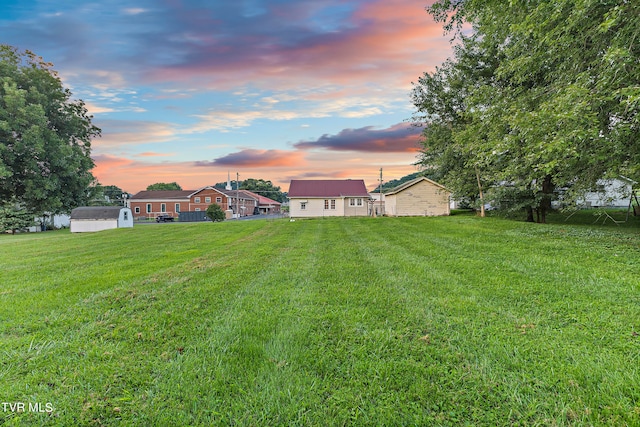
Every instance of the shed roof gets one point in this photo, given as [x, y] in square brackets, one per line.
[96, 212]
[328, 188]
[413, 182]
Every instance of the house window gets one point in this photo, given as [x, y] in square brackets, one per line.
[333, 204]
[359, 202]
[197, 200]
[207, 199]
[163, 207]
[126, 216]
[218, 199]
[137, 209]
[177, 207]
[197, 209]
[148, 207]
[303, 206]
[352, 202]
[326, 204]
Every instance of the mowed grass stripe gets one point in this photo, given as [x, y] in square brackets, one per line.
[485, 317]
[253, 342]
[416, 321]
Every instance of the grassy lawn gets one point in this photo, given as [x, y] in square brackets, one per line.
[387, 321]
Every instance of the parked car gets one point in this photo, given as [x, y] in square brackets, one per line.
[164, 218]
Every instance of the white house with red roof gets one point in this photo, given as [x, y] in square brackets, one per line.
[316, 198]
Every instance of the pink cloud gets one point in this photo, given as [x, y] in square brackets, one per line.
[382, 41]
[398, 138]
[257, 159]
[152, 154]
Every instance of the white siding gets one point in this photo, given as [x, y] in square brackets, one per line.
[125, 220]
[91, 225]
[315, 208]
[613, 193]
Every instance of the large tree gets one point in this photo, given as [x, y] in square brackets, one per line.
[45, 137]
[551, 102]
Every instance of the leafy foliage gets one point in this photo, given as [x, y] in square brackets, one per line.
[263, 188]
[159, 186]
[215, 213]
[259, 186]
[13, 217]
[395, 182]
[542, 95]
[45, 136]
[105, 195]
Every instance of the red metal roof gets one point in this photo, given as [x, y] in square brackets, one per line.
[261, 199]
[328, 188]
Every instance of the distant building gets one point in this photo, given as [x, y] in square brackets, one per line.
[418, 197]
[609, 193]
[328, 197]
[150, 204]
[265, 204]
[98, 218]
[377, 203]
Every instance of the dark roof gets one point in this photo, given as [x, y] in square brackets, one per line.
[96, 212]
[163, 194]
[328, 188]
[261, 199]
[413, 182]
[242, 194]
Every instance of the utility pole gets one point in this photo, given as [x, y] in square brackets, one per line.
[381, 204]
[237, 196]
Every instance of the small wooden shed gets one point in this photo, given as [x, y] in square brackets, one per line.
[418, 197]
[97, 218]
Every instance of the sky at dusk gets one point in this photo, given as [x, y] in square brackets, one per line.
[190, 90]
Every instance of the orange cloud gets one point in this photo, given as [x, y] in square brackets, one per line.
[152, 154]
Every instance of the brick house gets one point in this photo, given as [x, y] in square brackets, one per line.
[150, 204]
[265, 204]
[243, 201]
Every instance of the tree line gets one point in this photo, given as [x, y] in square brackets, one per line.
[540, 100]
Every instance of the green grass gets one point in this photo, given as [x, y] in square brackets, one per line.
[387, 321]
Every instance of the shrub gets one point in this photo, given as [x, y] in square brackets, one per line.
[215, 213]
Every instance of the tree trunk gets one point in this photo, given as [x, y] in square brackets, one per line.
[545, 203]
[482, 213]
[530, 214]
